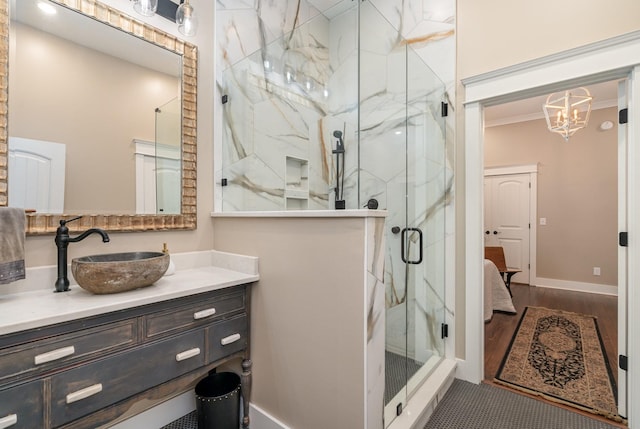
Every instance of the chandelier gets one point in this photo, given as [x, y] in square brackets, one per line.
[568, 112]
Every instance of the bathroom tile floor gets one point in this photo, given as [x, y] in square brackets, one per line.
[190, 421]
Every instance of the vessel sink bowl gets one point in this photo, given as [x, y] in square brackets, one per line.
[119, 272]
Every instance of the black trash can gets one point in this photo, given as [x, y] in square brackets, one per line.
[218, 401]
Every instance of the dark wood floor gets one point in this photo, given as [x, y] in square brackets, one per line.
[498, 332]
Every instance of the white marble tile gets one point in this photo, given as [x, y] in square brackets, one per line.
[238, 35]
[343, 90]
[377, 34]
[372, 187]
[439, 10]
[280, 18]
[375, 353]
[380, 155]
[403, 15]
[252, 186]
[343, 38]
[376, 332]
[434, 42]
[234, 4]
[332, 8]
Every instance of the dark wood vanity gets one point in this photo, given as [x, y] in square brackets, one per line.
[88, 372]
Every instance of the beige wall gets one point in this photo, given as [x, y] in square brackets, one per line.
[307, 317]
[577, 194]
[93, 103]
[498, 33]
[41, 250]
[494, 34]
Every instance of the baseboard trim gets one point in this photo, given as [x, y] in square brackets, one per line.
[175, 408]
[415, 415]
[577, 286]
[260, 419]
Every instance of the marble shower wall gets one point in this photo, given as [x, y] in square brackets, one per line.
[289, 71]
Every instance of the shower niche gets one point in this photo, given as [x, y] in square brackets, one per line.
[296, 186]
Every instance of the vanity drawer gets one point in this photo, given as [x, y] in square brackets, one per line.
[181, 318]
[227, 337]
[22, 407]
[83, 390]
[47, 354]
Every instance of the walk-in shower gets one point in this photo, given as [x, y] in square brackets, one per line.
[344, 112]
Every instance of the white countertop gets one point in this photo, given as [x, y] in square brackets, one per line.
[41, 307]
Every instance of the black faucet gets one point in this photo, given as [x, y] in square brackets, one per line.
[62, 242]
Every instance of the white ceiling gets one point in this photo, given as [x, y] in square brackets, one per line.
[604, 95]
[80, 29]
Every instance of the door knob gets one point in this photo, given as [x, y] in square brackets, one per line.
[395, 229]
[495, 232]
[487, 232]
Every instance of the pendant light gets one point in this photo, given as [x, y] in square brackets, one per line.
[146, 7]
[182, 14]
[186, 19]
[568, 112]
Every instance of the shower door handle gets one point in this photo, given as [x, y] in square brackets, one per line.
[402, 246]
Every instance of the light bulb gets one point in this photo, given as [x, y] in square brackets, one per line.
[47, 8]
[186, 19]
[146, 7]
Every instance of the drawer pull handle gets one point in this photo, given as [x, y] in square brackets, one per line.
[187, 354]
[54, 355]
[230, 339]
[204, 313]
[84, 393]
[9, 420]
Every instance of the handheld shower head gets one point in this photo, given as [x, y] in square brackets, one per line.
[338, 151]
[339, 143]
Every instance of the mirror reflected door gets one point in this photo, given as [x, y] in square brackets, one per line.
[37, 175]
[167, 174]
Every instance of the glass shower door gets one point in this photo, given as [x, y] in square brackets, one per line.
[415, 199]
[427, 191]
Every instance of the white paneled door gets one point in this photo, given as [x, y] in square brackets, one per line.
[507, 219]
[36, 175]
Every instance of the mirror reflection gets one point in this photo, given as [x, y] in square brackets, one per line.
[94, 116]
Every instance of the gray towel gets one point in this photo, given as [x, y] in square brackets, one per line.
[11, 244]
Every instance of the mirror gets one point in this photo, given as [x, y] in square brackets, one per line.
[104, 151]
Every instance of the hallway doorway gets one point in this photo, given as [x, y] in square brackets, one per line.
[617, 58]
[575, 220]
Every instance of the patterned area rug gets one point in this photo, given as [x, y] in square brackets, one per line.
[559, 355]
